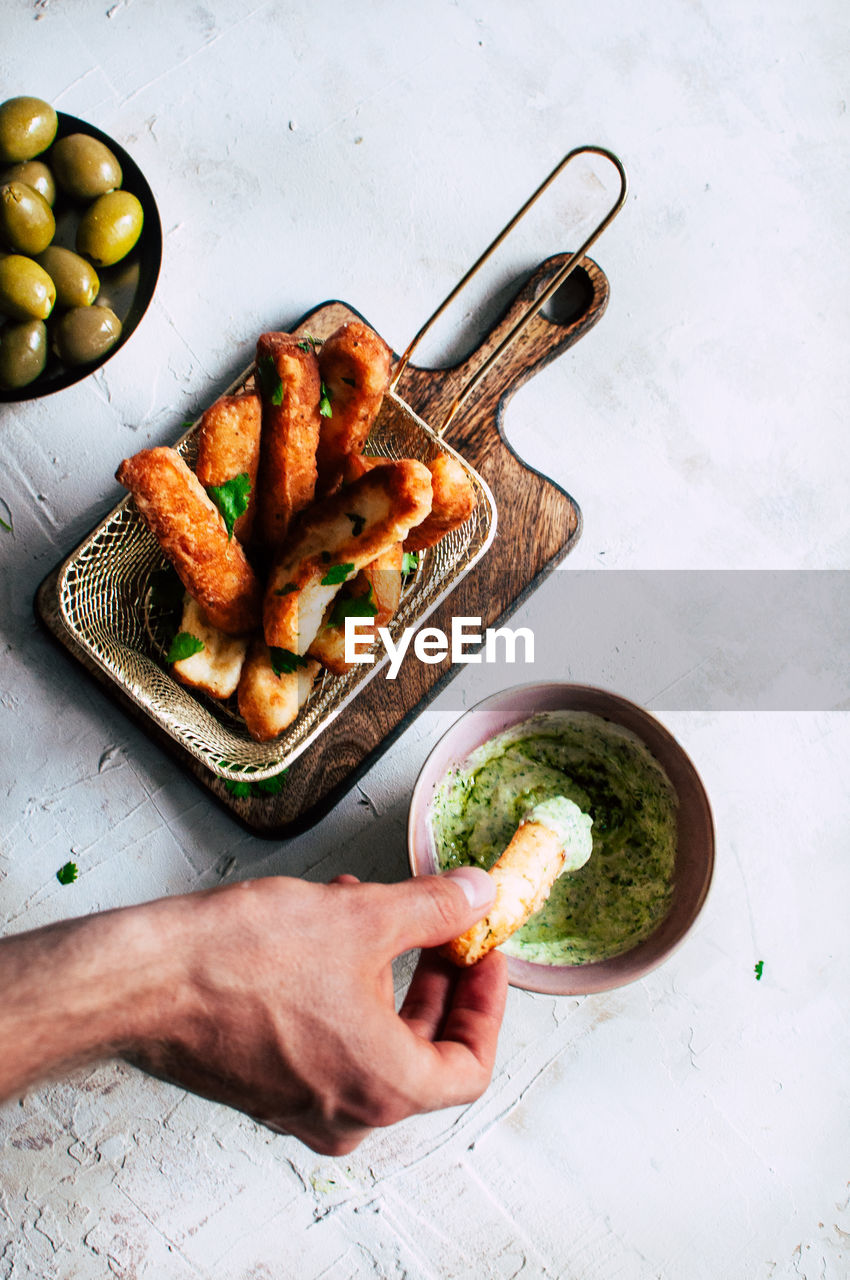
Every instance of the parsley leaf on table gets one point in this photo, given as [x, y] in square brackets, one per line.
[68, 873]
[231, 498]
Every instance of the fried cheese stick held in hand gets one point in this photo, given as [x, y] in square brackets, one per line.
[192, 534]
[336, 538]
[289, 382]
[354, 364]
[553, 838]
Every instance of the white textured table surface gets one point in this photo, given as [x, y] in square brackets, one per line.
[693, 1125]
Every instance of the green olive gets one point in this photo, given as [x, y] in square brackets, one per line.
[35, 174]
[76, 280]
[26, 219]
[27, 127]
[26, 290]
[84, 167]
[110, 227]
[85, 334]
[23, 353]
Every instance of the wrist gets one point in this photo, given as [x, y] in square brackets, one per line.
[84, 989]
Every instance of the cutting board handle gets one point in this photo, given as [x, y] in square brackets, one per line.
[572, 311]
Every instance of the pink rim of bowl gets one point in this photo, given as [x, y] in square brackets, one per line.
[695, 852]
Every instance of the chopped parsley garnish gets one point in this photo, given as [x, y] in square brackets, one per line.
[284, 661]
[183, 646]
[357, 523]
[6, 524]
[238, 788]
[68, 873]
[231, 498]
[287, 589]
[270, 786]
[409, 562]
[759, 969]
[325, 403]
[309, 343]
[271, 383]
[188, 422]
[352, 607]
[242, 787]
[336, 574]
[349, 382]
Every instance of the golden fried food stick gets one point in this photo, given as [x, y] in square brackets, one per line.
[268, 703]
[354, 364]
[452, 503]
[191, 532]
[216, 668]
[378, 586]
[229, 446]
[289, 382]
[554, 837]
[336, 538]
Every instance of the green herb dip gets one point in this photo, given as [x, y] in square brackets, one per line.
[625, 889]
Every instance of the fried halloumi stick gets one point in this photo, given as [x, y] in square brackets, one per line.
[555, 837]
[452, 505]
[268, 703]
[289, 382]
[379, 584]
[354, 363]
[452, 500]
[336, 538]
[215, 670]
[229, 446]
[191, 532]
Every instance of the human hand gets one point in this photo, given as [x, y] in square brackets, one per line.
[279, 1002]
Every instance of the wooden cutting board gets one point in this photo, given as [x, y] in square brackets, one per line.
[538, 523]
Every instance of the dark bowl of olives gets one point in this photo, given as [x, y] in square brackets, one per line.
[80, 249]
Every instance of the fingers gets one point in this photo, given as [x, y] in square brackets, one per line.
[457, 1067]
[424, 1005]
[430, 910]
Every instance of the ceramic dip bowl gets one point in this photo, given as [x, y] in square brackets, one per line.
[694, 858]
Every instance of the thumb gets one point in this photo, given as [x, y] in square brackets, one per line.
[430, 910]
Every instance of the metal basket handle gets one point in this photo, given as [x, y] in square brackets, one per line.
[555, 284]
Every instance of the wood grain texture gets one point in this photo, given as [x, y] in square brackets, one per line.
[538, 523]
